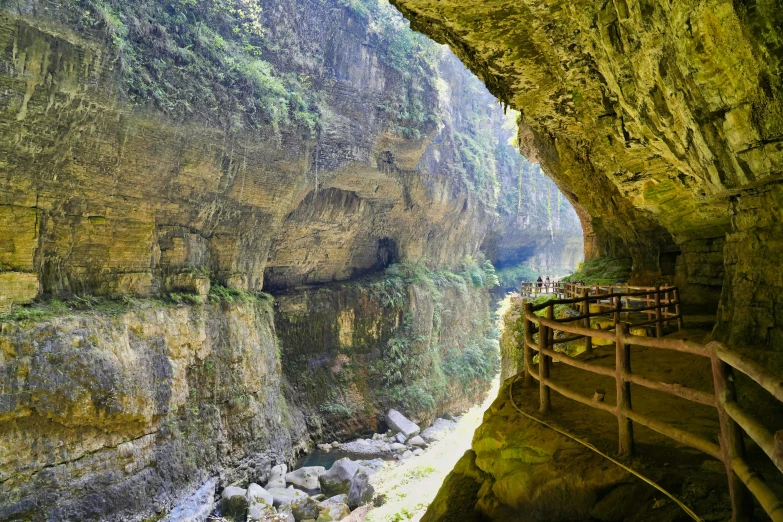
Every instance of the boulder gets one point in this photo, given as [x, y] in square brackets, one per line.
[398, 422]
[256, 494]
[335, 444]
[234, 503]
[400, 438]
[417, 452]
[337, 499]
[361, 491]
[259, 503]
[398, 447]
[408, 454]
[277, 477]
[417, 441]
[333, 512]
[325, 447]
[283, 497]
[306, 477]
[305, 508]
[338, 479]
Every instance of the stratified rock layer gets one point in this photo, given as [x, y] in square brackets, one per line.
[661, 121]
[120, 416]
[354, 350]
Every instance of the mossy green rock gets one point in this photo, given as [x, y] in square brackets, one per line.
[661, 121]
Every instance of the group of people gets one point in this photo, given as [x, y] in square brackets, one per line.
[544, 283]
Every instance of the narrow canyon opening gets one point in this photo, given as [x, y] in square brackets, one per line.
[390, 260]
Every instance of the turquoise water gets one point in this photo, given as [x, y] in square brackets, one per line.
[322, 458]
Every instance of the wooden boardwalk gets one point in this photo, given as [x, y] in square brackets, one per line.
[618, 317]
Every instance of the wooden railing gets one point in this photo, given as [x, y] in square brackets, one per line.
[539, 336]
[623, 303]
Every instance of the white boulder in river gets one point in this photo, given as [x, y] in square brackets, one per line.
[349, 478]
[337, 481]
[259, 503]
[234, 502]
[283, 497]
[306, 477]
[417, 441]
[361, 491]
[398, 422]
[277, 477]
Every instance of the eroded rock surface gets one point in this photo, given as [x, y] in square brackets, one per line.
[661, 121]
[135, 402]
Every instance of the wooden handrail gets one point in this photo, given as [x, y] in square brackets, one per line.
[773, 384]
[756, 431]
[743, 482]
[766, 497]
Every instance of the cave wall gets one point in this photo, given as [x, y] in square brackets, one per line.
[661, 121]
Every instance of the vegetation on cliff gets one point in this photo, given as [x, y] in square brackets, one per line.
[602, 271]
[383, 343]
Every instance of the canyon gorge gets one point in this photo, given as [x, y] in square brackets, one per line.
[234, 230]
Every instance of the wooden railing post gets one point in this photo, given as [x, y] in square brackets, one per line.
[658, 325]
[543, 370]
[677, 308]
[586, 307]
[622, 369]
[528, 339]
[627, 304]
[617, 309]
[731, 443]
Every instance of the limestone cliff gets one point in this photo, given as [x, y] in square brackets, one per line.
[161, 153]
[660, 121]
[116, 416]
[116, 411]
[136, 154]
[419, 341]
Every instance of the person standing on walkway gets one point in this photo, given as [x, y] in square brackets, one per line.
[547, 284]
[540, 283]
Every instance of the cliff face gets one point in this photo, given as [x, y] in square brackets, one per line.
[108, 198]
[661, 122]
[121, 178]
[117, 415]
[119, 411]
[412, 339]
[140, 159]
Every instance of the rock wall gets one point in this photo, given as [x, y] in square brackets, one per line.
[520, 471]
[107, 192]
[110, 198]
[660, 121]
[120, 412]
[354, 350]
[118, 416]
